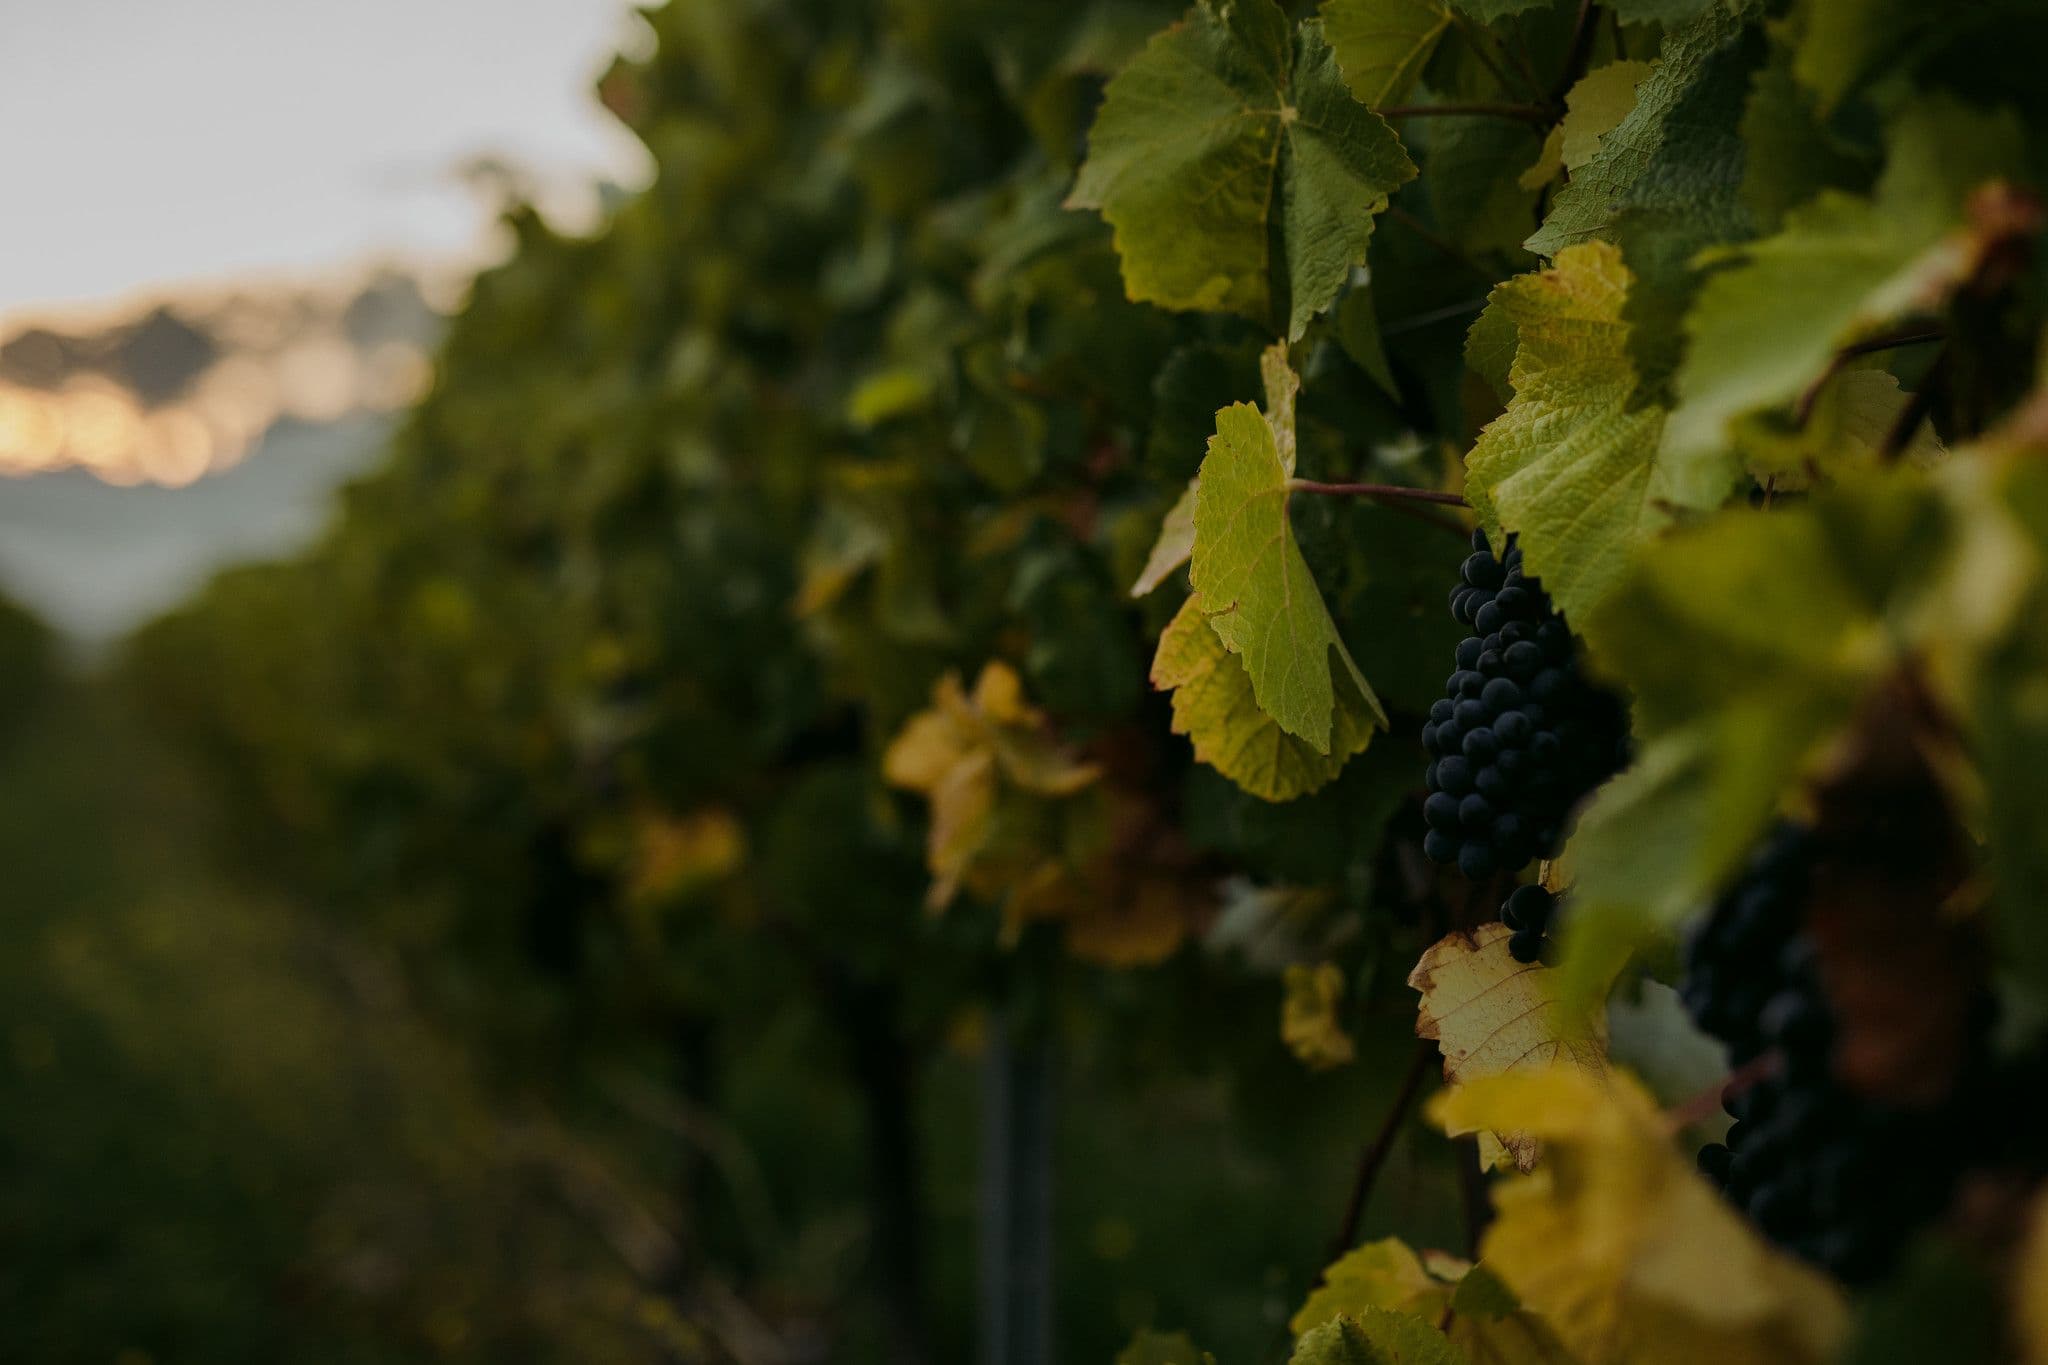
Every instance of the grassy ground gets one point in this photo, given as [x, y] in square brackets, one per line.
[227, 1135]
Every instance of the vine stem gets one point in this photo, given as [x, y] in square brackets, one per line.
[1583, 29]
[1381, 492]
[1374, 1157]
[1525, 113]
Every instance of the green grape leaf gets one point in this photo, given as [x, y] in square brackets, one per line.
[1382, 45]
[1658, 11]
[1490, 346]
[1163, 1348]
[1790, 152]
[1571, 465]
[1376, 1337]
[1840, 268]
[1214, 707]
[1634, 152]
[1601, 99]
[1844, 41]
[1747, 645]
[1665, 181]
[1358, 332]
[1248, 569]
[1238, 174]
[1175, 546]
[1846, 423]
[1474, 166]
[1192, 383]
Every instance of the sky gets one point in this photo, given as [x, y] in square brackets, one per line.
[160, 143]
[249, 166]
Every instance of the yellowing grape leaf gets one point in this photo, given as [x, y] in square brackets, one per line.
[2031, 1287]
[1382, 45]
[1213, 706]
[674, 853]
[1175, 544]
[1601, 99]
[961, 751]
[1144, 929]
[1115, 875]
[1375, 1336]
[1619, 1245]
[1255, 587]
[1384, 1274]
[1490, 1014]
[889, 394]
[1238, 174]
[1571, 465]
[1842, 267]
[1515, 1337]
[1308, 1016]
[1486, 1322]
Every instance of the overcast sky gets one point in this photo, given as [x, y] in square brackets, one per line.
[168, 142]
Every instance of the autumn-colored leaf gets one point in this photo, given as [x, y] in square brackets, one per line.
[2030, 1287]
[1486, 1322]
[1620, 1245]
[962, 752]
[1308, 1016]
[1490, 1014]
[675, 852]
[1213, 706]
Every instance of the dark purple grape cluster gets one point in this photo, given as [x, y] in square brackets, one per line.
[1520, 733]
[1823, 1172]
[1528, 913]
[1748, 974]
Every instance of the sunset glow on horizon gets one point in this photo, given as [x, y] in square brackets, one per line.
[283, 355]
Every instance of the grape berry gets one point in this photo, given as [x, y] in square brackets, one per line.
[1827, 1174]
[1528, 912]
[1520, 734]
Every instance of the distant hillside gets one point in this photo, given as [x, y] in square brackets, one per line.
[95, 560]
